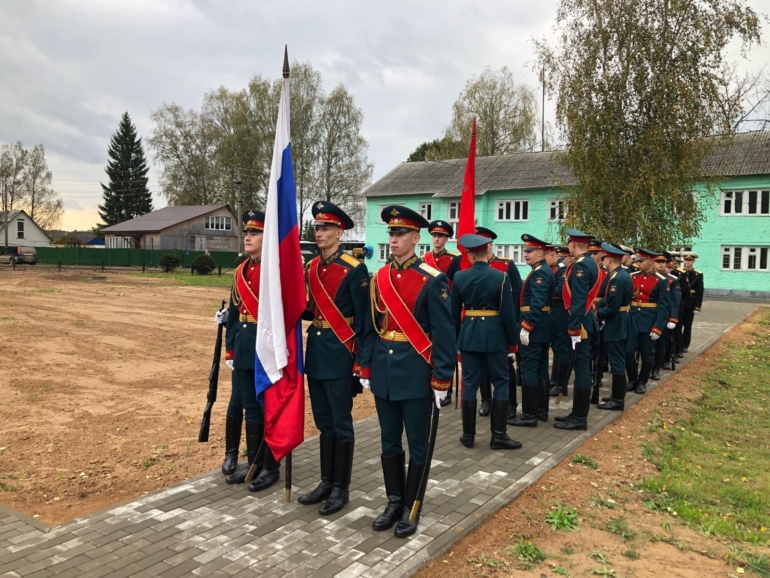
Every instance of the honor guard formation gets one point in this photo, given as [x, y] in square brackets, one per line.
[417, 325]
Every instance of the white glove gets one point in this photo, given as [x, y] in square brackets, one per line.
[364, 383]
[229, 363]
[670, 325]
[220, 318]
[654, 336]
[601, 327]
[439, 395]
[696, 310]
[511, 355]
[524, 337]
[575, 340]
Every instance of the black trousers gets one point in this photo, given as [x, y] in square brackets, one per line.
[687, 318]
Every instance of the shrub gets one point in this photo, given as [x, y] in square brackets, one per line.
[203, 264]
[169, 262]
[240, 259]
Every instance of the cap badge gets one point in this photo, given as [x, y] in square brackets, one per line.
[319, 206]
[251, 213]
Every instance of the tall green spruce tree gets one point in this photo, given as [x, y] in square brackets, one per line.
[126, 196]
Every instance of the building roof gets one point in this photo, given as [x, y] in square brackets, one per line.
[162, 219]
[13, 214]
[747, 154]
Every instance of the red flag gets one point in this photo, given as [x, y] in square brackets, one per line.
[467, 222]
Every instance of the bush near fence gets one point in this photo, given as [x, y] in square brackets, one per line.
[125, 257]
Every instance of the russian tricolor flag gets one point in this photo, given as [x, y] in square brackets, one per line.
[278, 374]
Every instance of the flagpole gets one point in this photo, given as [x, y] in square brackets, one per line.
[287, 484]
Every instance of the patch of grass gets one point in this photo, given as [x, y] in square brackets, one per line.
[584, 460]
[526, 551]
[43, 291]
[489, 562]
[183, 278]
[567, 550]
[712, 464]
[560, 570]
[631, 554]
[603, 571]
[8, 319]
[648, 451]
[600, 556]
[562, 517]
[602, 502]
[620, 527]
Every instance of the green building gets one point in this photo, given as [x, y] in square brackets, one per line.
[520, 193]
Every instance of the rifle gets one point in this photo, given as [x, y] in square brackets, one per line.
[211, 396]
[597, 370]
[426, 472]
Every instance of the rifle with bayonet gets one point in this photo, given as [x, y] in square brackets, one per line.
[211, 395]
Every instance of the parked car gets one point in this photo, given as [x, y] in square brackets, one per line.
[19, 255]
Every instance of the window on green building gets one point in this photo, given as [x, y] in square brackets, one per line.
[513, 252]
[745, 258]
[745, 203]
[384, 251]
[453, 215]
[556, 210]
[426, 211]
[422, 249]
[512, 210]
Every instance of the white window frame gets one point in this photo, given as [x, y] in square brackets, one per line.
[746, 255]
[20, 229]
[128, 243]
[383, 251]
[379, 212]
[561, 209]
[213, 223]
[453, 208]
[728, 198]
[513, 206]
[426, 211]
[423, 249]
[511, 251]
[113, 243]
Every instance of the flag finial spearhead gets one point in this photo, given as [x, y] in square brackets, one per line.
[473, 130]
[286, 61]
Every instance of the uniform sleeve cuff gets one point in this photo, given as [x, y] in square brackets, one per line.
[364, 372]
[527, 325]
[229, 354]
[513, 349]
[574, 332]
[673, 320]
[657, 331]
[357, 368]
[440, 385]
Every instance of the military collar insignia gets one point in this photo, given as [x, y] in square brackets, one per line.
[439, 254]
[256, 260]
[394, 212]
[332, 258]
[408, 263]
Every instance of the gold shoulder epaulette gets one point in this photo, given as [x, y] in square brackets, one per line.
[660, 276]
[428, 269]
[580, 259]
[453, 253]
[350, 260]
[561, 264]
[681, 270]
[699, 272]
[635, 273]
[502, 259]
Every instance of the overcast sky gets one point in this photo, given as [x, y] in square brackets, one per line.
[69, 69]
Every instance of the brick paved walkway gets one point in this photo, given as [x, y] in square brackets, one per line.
[204, 527]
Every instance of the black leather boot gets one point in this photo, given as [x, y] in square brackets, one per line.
[579, 418]
[271, 471]
[562, 375]
[323, 489]
[644, 375]
[469, 423]
[448, 399]
[554, 374]
[343, 469]
[405, 528]
[394, 472]
[667, 357]
[655, 375]
[543, 399]
[485, 387]
[616, 402]
[233, 426]
[254, 435]
[500, 439]
[513, 402]
[528, 417]
[633, 376]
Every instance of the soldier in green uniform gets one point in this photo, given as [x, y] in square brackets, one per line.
[692, 298]
[240, 338]
[675, 299]
[614, 317]
[338, 305]
[649, 315]
[598, 356]
[628, 260]
[535, 335]
[581, 285]
[560, 342]
[487, 336]
[410, 352]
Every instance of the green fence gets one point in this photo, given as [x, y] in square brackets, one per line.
[125, 257]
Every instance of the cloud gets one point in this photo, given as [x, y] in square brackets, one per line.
[73, 205]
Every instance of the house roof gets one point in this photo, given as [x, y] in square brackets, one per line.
[162, 219]
[747, 154]
[13, 214]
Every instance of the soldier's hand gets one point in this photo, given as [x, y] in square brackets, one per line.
[654, 336]
[220, 318]
[524, 337]
[575, 340]
[601, 327]
[440, 396]
[696, 310]
[670, 325]
[365, 383]
[229, 364]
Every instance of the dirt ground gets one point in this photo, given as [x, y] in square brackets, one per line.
[102, 388]
[660, 546]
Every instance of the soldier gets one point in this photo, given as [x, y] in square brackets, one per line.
[628, 260]
[560, 341]
[678, 270]
[241, 322]
[614, 317]
[338, 291]
[445, 261]
[564, 255]
[597, 347]
[581, 285]
[487, 336]
[675, 299]
[506, 266]
[675, 342]
[649, 315]
[693, 298]
[411, 355]
[535, 336]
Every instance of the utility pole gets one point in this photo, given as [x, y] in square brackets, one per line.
[238, 210]
[542, 112]
[5, 209]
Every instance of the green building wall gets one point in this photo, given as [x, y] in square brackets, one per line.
[717, 231]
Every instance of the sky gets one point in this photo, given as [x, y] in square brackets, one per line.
[69, 69]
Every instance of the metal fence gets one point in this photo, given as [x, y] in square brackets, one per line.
[125, 257]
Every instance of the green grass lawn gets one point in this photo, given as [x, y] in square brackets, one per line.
[714, 465]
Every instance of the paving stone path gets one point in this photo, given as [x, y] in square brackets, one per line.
[203, 527]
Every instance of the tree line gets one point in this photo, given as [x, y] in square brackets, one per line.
[25, 184]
